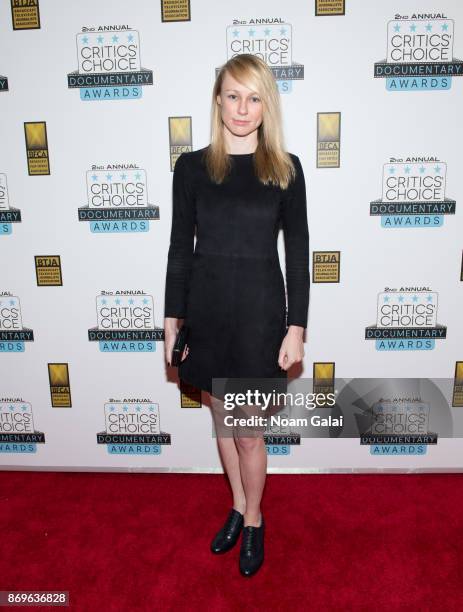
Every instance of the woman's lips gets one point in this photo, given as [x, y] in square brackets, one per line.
[238, 122]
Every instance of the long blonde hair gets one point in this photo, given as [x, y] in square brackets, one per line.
[273, 164]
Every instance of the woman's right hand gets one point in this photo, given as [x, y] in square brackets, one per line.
[170, 334]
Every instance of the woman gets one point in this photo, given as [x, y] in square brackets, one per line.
[230, 289]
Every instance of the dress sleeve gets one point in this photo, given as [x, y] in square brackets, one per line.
[296, 233]
[180, 255]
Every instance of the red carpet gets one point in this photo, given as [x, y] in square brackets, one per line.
[119, 541]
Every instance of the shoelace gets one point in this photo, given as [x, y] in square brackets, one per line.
[232, 522]
[249, 539]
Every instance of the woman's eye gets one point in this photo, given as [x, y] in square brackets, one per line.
[254, 98]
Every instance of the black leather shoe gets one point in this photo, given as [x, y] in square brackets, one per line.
[227, 537]
[252, 549]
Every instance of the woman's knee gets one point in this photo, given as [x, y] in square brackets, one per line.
[247, 442]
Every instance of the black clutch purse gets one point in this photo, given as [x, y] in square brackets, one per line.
[179, 346]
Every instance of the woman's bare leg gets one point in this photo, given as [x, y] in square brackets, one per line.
[253, 469]
[229, 456]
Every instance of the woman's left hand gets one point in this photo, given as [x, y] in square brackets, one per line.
[292, 347]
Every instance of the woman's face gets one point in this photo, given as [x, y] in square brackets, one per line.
[241, 107]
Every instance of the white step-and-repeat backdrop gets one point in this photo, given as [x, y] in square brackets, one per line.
[97, 100]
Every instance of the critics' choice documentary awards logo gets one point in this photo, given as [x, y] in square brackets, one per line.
[125, 323]
[133, 428]
[117, 197]
[396, 416]
[406, 320]
[419, 53]
[270, 39]
[17, 431]
[8, 214]
[399, 427]
[109, 64]
[13, 334]
[413, 194]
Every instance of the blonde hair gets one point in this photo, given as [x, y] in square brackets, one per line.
[273, 165]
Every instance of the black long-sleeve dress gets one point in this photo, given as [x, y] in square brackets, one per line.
[229, 287]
